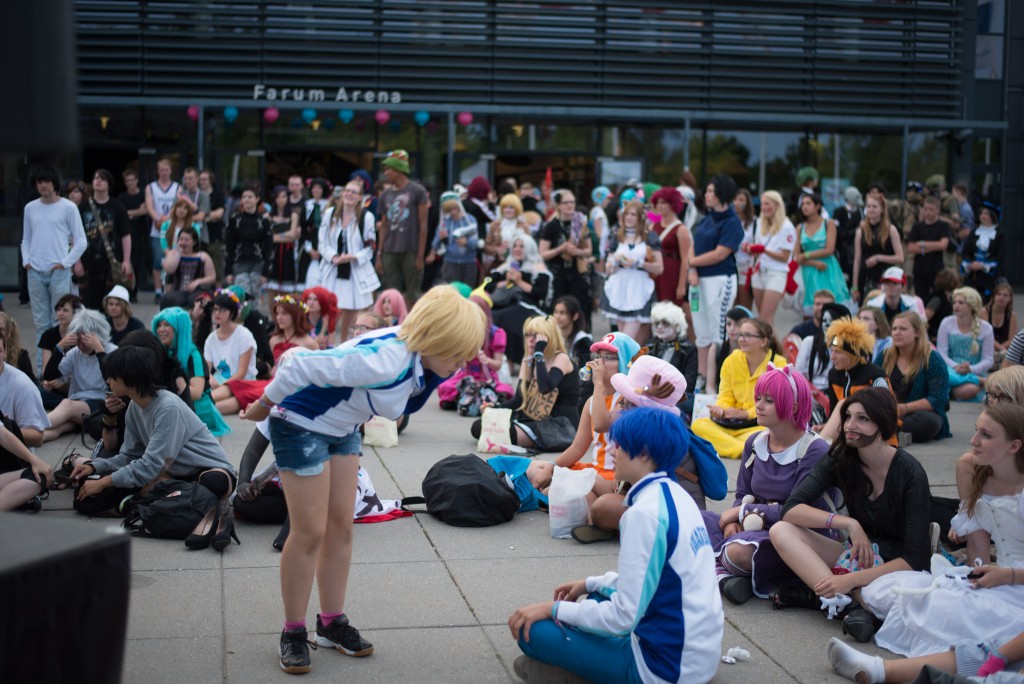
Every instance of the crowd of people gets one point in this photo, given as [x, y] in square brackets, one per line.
[317, 306]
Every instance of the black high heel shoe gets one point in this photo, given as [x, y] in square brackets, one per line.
[201, 541]
[282, 536]
[223, 538]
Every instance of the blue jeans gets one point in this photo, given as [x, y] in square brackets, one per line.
[304, 452]
[44, 289]
[598, 659]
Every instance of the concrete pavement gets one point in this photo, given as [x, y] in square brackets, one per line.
[433, 599]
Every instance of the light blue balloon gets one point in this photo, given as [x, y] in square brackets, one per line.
[346, 115]
[309, 115]
[230, 114]
[422, 118]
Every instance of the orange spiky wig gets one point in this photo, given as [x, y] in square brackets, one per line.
[851, 336]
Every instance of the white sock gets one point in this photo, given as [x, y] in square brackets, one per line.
[854, 665]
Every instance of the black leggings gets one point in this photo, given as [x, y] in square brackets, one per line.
[475, 431]
[269, 508]
[923, 426]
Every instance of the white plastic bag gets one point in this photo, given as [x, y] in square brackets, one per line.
[495, 424]
[567, 500]
[380, 432]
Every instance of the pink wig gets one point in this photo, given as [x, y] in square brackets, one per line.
[780, 383]
[397, 301]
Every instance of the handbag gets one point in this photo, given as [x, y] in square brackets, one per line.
[380, 432]
[504, 296]
[117, 274]
[735, 423]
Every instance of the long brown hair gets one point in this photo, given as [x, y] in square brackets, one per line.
[172, 221]
[12, 340]
[882, 232]
[919, 354]
[642, 225]
[1011, 418]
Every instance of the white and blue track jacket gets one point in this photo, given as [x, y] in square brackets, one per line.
[664, 594]
[334, 391]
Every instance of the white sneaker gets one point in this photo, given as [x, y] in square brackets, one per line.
[933, 537]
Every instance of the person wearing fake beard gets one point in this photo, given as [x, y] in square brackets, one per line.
[886, 492]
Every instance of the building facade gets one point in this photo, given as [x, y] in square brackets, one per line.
[599, 92]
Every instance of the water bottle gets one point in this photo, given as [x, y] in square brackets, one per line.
[695, 298]
[586, 373]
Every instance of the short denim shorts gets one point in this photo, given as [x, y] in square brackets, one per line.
[304, 452]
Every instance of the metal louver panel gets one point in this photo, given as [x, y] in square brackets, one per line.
[832, 57]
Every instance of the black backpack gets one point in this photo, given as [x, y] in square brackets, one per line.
[466, 492]
[170, 510]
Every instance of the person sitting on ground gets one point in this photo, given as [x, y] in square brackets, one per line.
[665, 583]
[188, 269]
[20, 400]
[721, 350]
[520, 288]
[569, 317]
[733, 414]
[814, 360]
[201, 313]
[230, 351]
[1003, 318]
[850, 346]
[483, 369]
[15, 355]
[774, 462]
[893, 299]
[163, 437]
[878, 326]
[80, 367]
[291, 330]
[969, 659]
[119, 314]
[886, 492]
[940, 302]
[919, 379]
[668, 323]
[590, 448]
[174, 329]
[990, 513]
[967, 345]
[65, 309]
[322, 313]
[545, 413]
[390, 306]
[23, 475]
[808, 327]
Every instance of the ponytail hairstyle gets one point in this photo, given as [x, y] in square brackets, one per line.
[973, 299]
[1011, 418]
[765, 329]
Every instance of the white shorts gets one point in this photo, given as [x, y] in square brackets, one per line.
[717, 296]
[769, 279]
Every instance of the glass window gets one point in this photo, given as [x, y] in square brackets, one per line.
[927, 156]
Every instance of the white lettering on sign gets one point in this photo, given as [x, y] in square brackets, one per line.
[261, 91]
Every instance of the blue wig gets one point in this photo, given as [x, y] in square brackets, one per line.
[183, 348]
[655, 433]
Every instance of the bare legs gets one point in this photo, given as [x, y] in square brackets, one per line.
[320, 508]
[15, 490]
[810, 555]
[65, 418]
[767, 304]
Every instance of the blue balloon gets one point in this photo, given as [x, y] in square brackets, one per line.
[422, 118]
[230, 114]
[309, 115]
[346, 115]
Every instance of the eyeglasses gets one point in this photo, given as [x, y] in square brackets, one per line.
[748, 336]
[608, 358]
[357, 328]
[997, 398]
[567, 202]
[349, 191]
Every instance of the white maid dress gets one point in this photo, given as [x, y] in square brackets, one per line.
[923, 623]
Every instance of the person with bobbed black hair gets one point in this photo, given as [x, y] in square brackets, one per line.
[163, 438]
[712, 267]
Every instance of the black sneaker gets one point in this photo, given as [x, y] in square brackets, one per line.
[33, 505]
[295, 651]
[737, 590]
[342, 636]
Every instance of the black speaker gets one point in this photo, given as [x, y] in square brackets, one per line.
[39, 113]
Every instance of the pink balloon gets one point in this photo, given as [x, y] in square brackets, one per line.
[382, 116]
[193, 112]
[271, 114]
[464, 118]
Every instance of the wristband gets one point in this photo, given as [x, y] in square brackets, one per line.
[265, 403]
[538, 357]
[554, 611]
[828, 523]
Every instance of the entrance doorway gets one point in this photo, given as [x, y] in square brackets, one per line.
[335, 166]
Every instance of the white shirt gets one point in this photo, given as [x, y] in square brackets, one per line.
[53, 234]
[83, 372]
[20, 399]
[223, 355]
[782, 241]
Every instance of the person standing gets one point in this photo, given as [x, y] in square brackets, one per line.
[403, 228]
[52, 241]
[214, 222]
[160, 197]
[928, 241]
[248, 246]
[105, 221]
[191, 191]
[134, 202]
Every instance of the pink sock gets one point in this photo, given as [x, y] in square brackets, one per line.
[294, 624]
[327, 618]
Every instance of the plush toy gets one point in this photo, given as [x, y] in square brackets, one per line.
[751, 521]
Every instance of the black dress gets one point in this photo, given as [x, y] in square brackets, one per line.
[511, 318]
